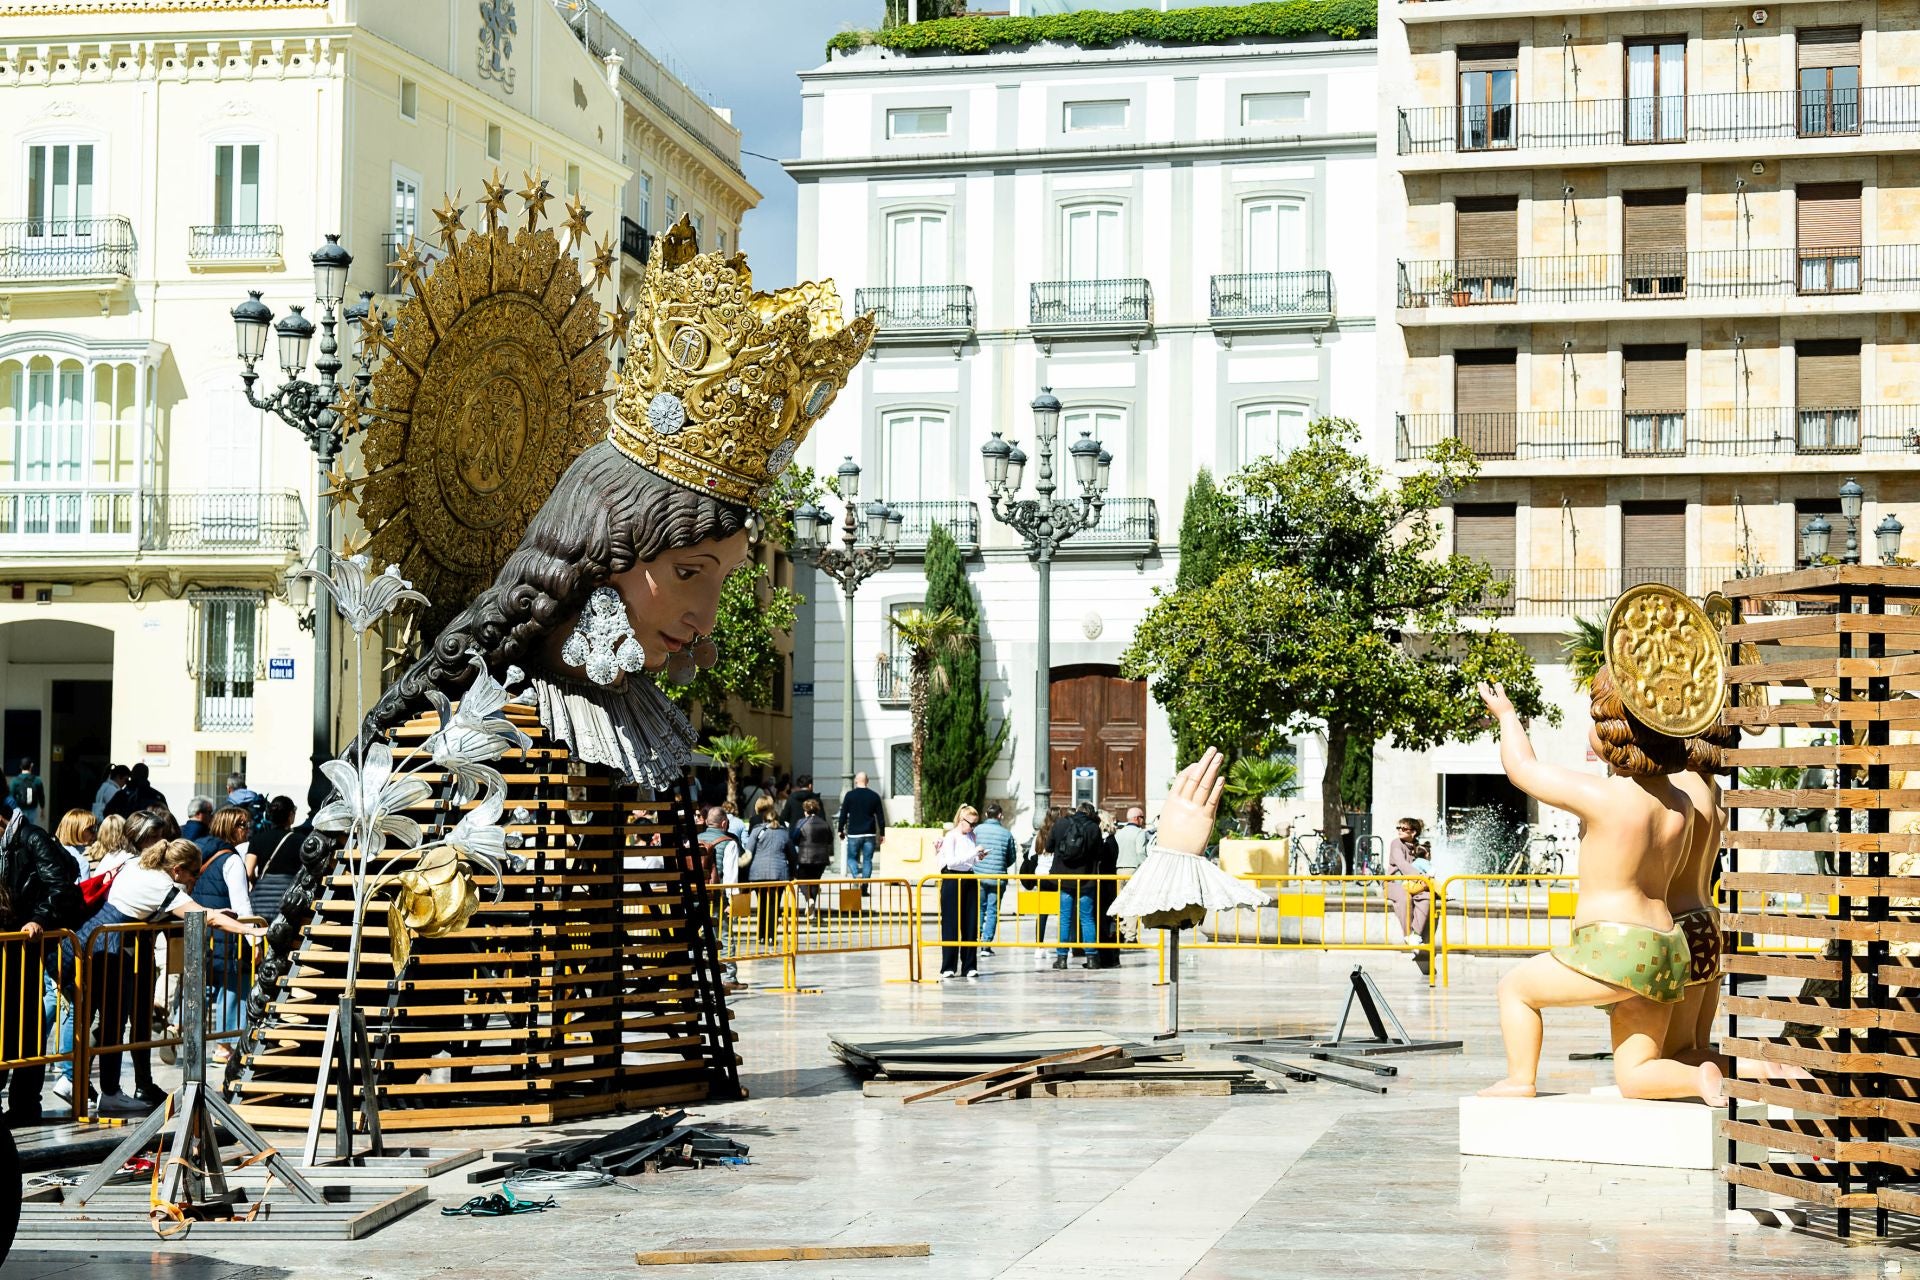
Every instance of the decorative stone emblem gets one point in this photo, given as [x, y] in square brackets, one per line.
[666, 414]
[689, 347]
[497, 29]
[1092, 624]
[783, 454]
[817, 398]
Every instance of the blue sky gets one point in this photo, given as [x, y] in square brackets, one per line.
[745, 54]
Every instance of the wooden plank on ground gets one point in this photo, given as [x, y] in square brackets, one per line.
[1095, 1054]
[781, 1253]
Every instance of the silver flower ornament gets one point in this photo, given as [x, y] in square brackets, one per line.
[363, 599]
[371, 801]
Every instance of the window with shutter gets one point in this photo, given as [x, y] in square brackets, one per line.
[1827, 395]
[1828, 216]
[1485, 392]
[1486, 245]
[1829, 81]
[1485, 531]
[1656, 106]
[1656, 243]
[1653, 543]
[1654, 397]
[1489, 78]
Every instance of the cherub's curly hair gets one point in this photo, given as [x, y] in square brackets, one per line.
[1706, 752]
[1627, 745]
[606, 514]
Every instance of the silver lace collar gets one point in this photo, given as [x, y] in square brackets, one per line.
[631, 728]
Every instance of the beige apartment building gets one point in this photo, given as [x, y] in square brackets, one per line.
[1656, 265]
[158, 161]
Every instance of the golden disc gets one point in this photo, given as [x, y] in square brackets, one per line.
[1667, 662]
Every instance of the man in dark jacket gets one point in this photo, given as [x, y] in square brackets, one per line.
[41, 893]
[796, 805]
[862, 823]
[138, 794]
[1076, 852]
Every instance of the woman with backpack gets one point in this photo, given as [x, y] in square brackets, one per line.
[222, 884]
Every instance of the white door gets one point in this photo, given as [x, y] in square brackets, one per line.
[51, 457]
[917, 250]
[917, 456]
[60, 190]
[230, 506]
[1274, 236]
[1270, 430]
[236, 185]
[1094, 246]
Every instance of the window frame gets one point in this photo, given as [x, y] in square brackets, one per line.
[495, 141]
[1266, 404]
[262, 213]
[1301, 200]
[894, 414]
[1303, 96]
[1094, 205]
[1657, 135]
[894, 135]
[209, 605]
[923, 214]
[1067, 109]
[95, 185]
[409, 89]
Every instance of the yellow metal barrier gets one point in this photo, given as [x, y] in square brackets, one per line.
[36, 1015]
[786, 919]
[1504, 913]
[1316, 913]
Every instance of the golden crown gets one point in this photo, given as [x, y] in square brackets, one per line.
[722, 384]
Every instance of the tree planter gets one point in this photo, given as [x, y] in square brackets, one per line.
[908, 851]
[1244, 857]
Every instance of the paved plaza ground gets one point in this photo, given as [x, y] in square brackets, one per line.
[1319, 1182]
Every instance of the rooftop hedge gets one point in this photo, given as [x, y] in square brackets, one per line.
[1094, 29]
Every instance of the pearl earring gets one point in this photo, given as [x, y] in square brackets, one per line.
[604, 643]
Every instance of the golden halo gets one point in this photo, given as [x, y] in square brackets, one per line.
[1666, 659]
[493, 381]
[1719, 611]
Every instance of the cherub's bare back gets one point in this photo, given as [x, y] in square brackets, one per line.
[1634, 842]
[1692, 886]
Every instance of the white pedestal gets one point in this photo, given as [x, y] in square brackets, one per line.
[1591, 1129]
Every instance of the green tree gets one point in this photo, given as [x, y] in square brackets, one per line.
[737, 752]
[1208, 530]
[1338, 613]
[1251, 779]
[932, 637]
[960, 748]
[1585, 648]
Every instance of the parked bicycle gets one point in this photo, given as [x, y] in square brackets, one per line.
[1535, 856]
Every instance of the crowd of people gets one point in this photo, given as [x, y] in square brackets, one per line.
[126, 860]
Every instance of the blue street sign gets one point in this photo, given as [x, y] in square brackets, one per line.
[279, 668]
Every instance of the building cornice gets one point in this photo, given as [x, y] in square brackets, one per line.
[1060, 58]
[1084, 157]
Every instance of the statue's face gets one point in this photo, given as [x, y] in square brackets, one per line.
[674, 597]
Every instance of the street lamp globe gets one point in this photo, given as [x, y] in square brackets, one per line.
[296, 334]
[1086, 460]
[330, 265]
[822, 527]
[1814, 537]
[804, 517]
[1106, 471]
[1016, 467]
[355, 316]
[1046, 415]
[1886, 536]
[876, 521]
[1851, 495]
[895, 519]
[251, 320]
[993, 458]
[849, 474]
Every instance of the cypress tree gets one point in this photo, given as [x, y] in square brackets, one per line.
[1207, 541]
[959, 751]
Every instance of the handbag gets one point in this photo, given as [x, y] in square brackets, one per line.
[94, 889]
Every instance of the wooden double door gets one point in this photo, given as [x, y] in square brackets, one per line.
[1099, 720]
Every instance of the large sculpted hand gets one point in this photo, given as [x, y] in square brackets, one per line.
[1187, 818]
[1498, 703]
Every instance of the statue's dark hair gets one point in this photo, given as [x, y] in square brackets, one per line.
[606, 514]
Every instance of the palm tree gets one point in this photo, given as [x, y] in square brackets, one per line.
[1771, 777]
[930, 636]
[1251, 779]
[1586, 651]
[737, 751]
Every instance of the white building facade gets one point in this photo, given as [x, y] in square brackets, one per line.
[1176, 240]
[157, 161]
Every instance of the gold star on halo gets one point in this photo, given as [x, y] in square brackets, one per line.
[343, 488]
[577, 215]
[602, 261]
[449, 215]
[536, 196]
[399, 653]
[348, 407]
[355, 543]
[619, 323]
[409, 262]
[494, 199]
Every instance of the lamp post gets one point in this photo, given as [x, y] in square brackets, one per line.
[851, 563]
[307, 407]
[1044, 524]
[1817, 534]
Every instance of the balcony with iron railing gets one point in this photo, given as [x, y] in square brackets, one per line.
[238, 522]
[636, 241]
[961, 520]
[1128, 526]
[1483, 130]
[1769, 431]
[49, 253]
[893, 679]
[1091, 308]
[1650, 278]
[393, 245]
[218, 246]
[1563, 593]
[918, 313]
[1253, 302]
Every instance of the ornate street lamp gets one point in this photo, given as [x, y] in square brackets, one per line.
[850, 564]
[1044, 524]
[307, 407]
[1886, 537]
[1851, 496]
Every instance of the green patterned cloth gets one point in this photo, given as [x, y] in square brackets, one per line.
[1644, 961]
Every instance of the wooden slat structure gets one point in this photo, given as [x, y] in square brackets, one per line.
[1829, 653]
[592, 987]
